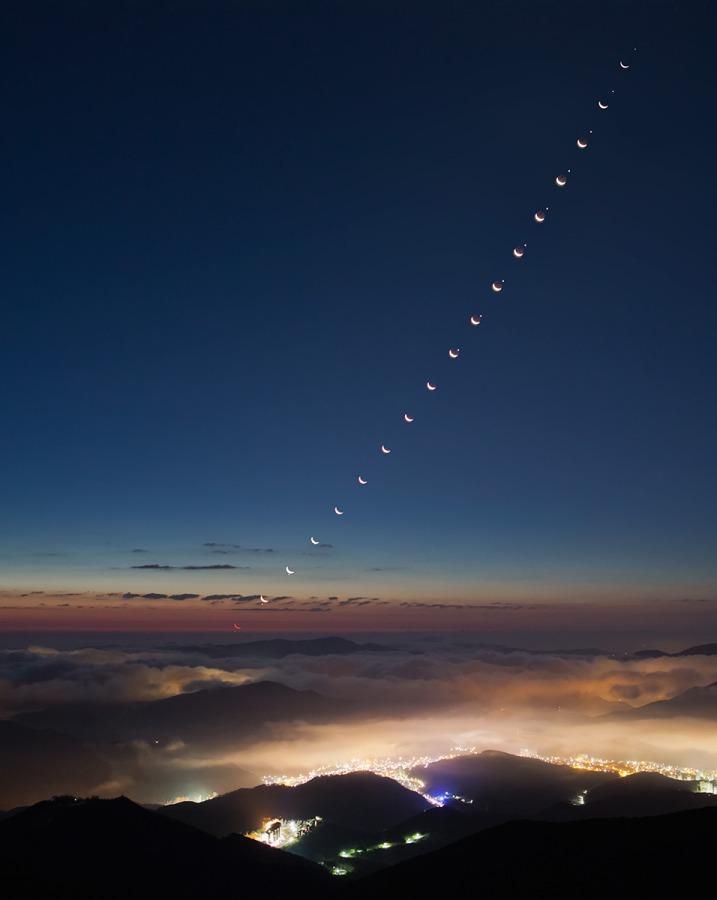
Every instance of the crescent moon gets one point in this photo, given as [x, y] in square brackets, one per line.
[518, 252]
[238, 627]
[338, 511]
[540, 216]
[263, 598]
[602, 105]
[497, 286]
[289, 571]
[431, 387]
[362, 480]
[407, 417]
[384, 449]
[561, 181]
[582, 143]
[623, 66]
[454, 353]
[313, 541]
[475, 320]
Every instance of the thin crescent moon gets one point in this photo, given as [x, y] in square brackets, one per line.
[263, 598]
[238, 627]
[539, 216]
[561, 181]
[384, 449]
[289, 571]
[518, 252]
[582, 143]
[362, 480]
[431, 387]
[497, 286]
[313, 541]
[623, 66]
[454, 353]
[602, 105]
[338, 511]
[407, 417]
[475, 320]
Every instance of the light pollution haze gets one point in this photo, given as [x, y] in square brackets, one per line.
[238, 250]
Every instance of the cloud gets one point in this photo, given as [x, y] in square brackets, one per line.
[418, 605]
[187, 568]
[416, 694]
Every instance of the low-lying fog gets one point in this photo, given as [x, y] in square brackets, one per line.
[412, 697]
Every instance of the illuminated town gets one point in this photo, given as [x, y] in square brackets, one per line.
[402, 770]
[277, 832]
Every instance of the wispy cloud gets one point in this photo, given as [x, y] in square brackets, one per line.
[157, 566]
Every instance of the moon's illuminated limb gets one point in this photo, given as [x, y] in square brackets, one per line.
[561, 180]
[314, 542]
[238, 627]
[362, 480]
[497, 286]
[602, 105]
[431, 387]
[263, 598]
[518, 252]
[540, 216]
[454, 353]
[475, 320]
[339, 512]
[289, 571]
[582, 143]
[384, 449]
[623, 65]
[407, 418]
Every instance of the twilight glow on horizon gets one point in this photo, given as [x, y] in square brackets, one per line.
[240, 243]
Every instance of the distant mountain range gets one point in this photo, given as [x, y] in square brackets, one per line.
[696, 703]
[700, 650]
[277, 648]
[205, 717]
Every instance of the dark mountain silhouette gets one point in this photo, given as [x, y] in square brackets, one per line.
[114, 849]
[644, 794]
[277, 648]
[507, 785]
[618, 858]
[358, 800]
[37, 764]
[696, 703]
[700, 650]
[209, 717]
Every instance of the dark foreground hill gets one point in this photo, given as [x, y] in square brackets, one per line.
[114, 849]
[35, 764]
[655, 857]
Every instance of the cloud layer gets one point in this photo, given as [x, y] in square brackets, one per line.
[407, 697]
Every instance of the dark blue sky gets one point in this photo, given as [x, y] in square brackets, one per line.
[238, 238]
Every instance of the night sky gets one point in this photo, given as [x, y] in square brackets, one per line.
[239, 237]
